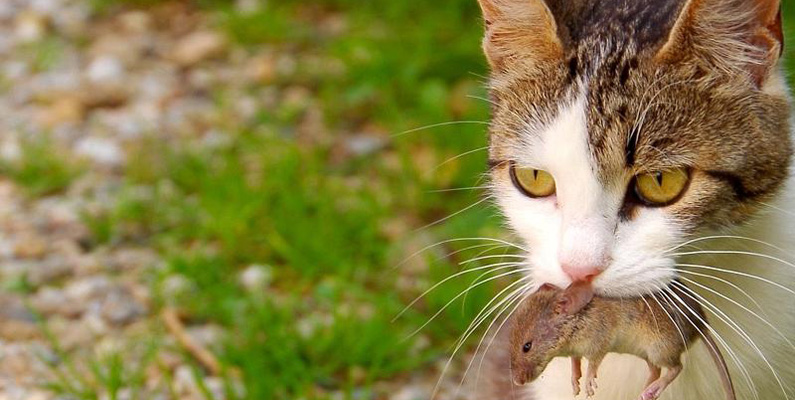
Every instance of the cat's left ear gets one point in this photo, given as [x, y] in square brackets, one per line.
[733, 36]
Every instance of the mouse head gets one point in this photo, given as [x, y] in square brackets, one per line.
[542, 327]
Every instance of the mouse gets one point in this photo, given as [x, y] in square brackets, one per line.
[576, 323]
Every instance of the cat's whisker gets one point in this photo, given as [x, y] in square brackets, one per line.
[776, 208]
[519, 301]
[464, 154]
[441, 310]
[651, 311]
[715, 237]
[676, 324]
[669, 295]
[734, 326]
[461, 189]
[490, 247]
[443, 242]
[438, 125]
[478, 320]
[516, 298]
[724, 281]
[465, 209]
[471, 260]
[736, 303]
[738, 273]
[464, 300]
[734, 252]
[491, 268]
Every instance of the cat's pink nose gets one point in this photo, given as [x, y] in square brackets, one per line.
[581, 273]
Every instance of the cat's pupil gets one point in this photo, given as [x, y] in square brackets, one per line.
[659, 178]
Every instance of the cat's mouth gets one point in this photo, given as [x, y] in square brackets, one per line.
[621, 280]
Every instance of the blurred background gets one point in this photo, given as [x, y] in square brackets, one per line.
[236, 199]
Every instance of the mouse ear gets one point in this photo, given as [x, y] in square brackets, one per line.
[574, 298]
[547, 286]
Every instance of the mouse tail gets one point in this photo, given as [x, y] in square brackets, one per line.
[720, 363]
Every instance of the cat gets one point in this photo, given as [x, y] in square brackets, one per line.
[640, 144]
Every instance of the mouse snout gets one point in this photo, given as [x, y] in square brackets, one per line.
[521, 375]
[519, 378]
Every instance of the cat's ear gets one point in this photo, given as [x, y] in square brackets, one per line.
[519, 31]
[734, 36]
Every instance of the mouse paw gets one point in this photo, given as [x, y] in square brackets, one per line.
[575, 386]
[652, 392]
[590, 386]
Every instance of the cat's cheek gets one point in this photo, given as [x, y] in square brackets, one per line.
[537, 222]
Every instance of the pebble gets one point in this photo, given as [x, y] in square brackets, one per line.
[256, 277]
[410, 393]
[120, 308]
[105, 69]
[100, 150]
[30, 27]
[198, 46]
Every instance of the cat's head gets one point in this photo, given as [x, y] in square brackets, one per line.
[620, 128]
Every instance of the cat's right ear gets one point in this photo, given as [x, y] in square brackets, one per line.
[519, 31]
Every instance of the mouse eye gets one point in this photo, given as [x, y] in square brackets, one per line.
[527, 346]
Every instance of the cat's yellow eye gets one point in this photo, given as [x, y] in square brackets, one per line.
[533, 182]
[661, 188]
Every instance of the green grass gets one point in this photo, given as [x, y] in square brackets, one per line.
[42, 169]
[324, 323]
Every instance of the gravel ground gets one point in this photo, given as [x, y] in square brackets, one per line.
[94, 87]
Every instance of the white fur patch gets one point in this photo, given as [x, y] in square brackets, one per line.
[579, 225]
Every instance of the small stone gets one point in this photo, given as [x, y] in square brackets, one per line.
[30, 246]
[10, 150]
[121, 308]
[184, 382]
[51, 301]
[66, 110]
[247, 7]
[15, 330]
[85, 290]
[176, 286]
[100, 150]
[364, 144]
[105, 69]
[30, 26]
[136, 22]
[410, 393]
[53, 268]
[71, 334]
[256, 277]
[261, 69]
[199, 46]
